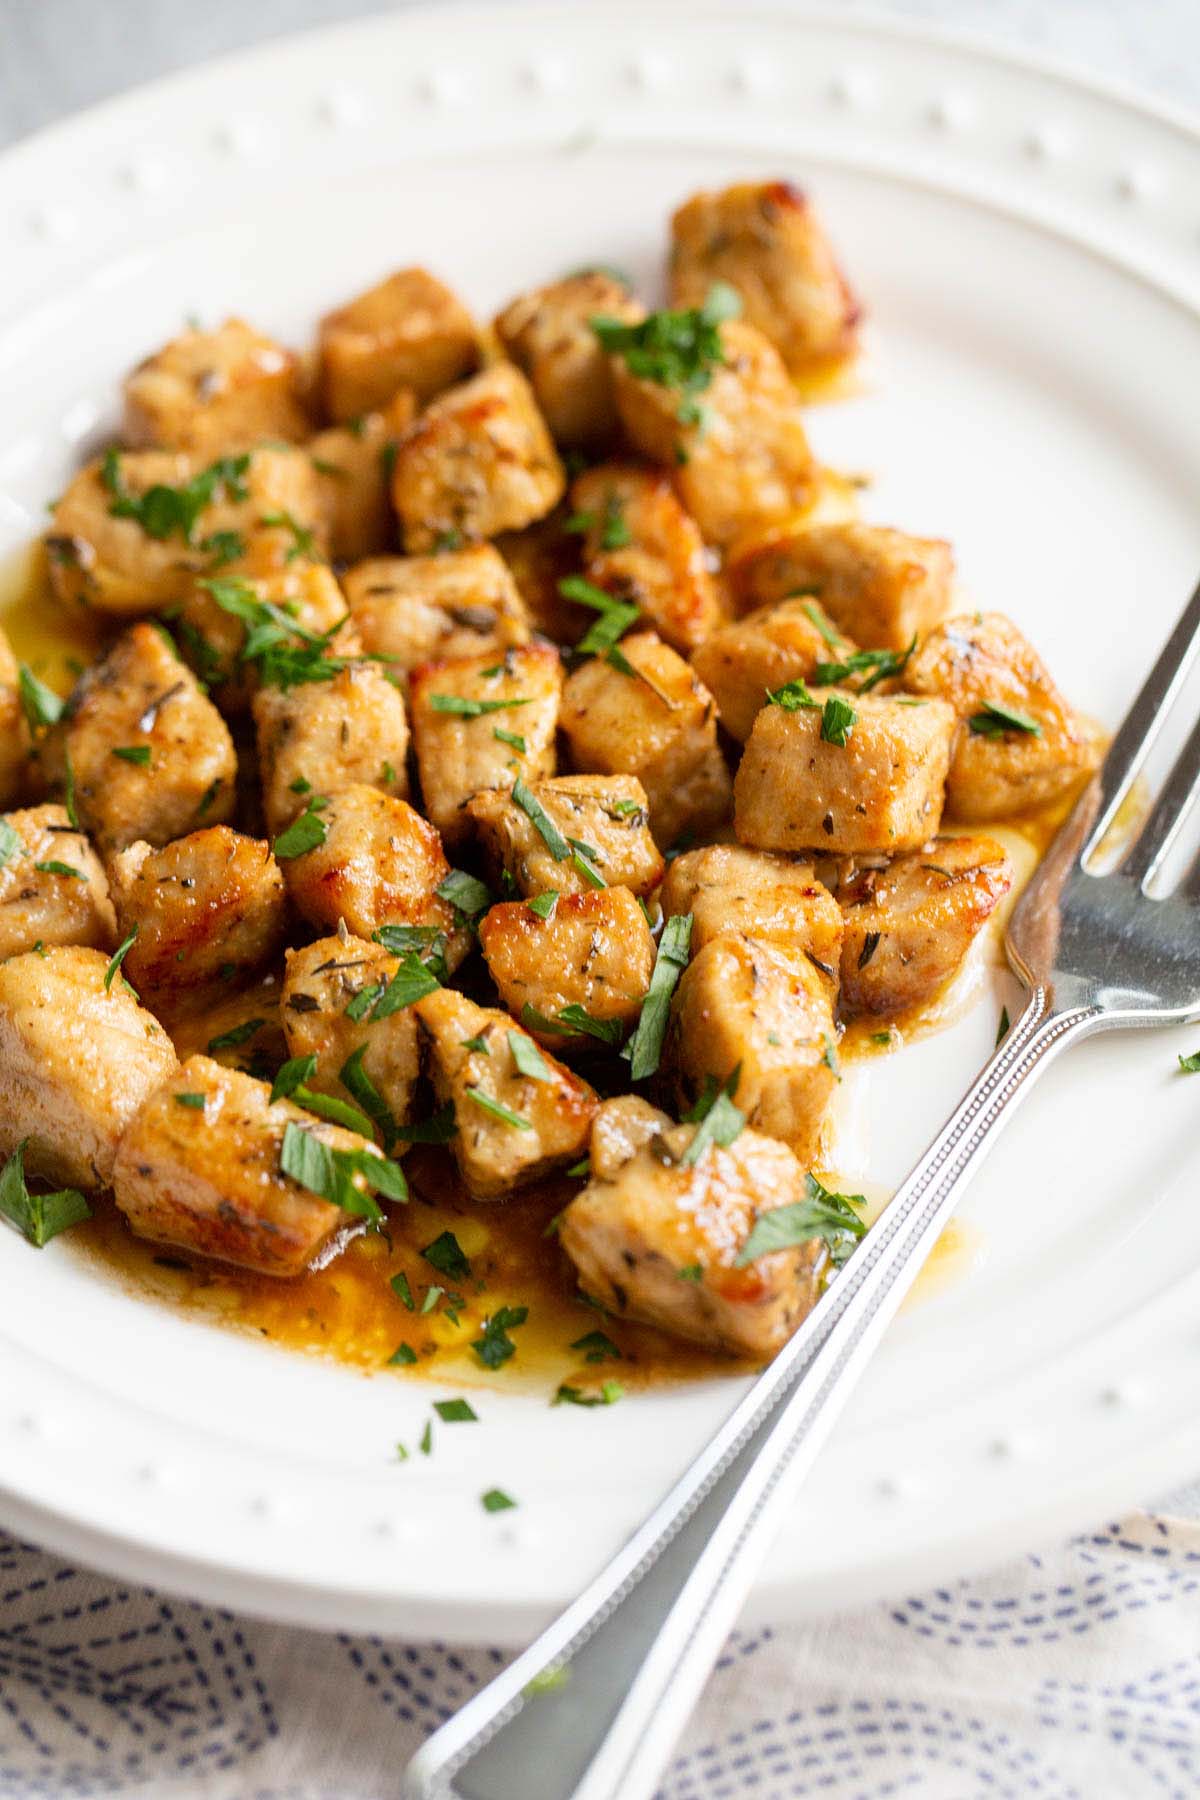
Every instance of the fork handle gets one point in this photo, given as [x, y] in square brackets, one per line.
[642, 1637]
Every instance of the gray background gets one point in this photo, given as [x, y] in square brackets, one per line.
[59, 55]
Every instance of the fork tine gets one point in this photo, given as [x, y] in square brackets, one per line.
[1153, 843]
[1143, 722]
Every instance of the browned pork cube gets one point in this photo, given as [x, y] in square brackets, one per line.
[880, 586]
[417, 609]
[740, 455]
[910, 921]
[763, 1009]
[592, 951]
[639, 545]
[409, 331]
[140, 698]
[766, 240]
[478, 460]
[323, 736]
[1019, 744]
[353, 468]
[78, 1056]
[548, 333]
[799, 787]
[520, 1113]
[201, 1169]
[608, 814]
[743, 660]
[656, 1238]
[14, 732]
[727, 888]
[53, 889]
[214, 392]
[482, 724]
[322, 981]
[209, 910]
[659, 724]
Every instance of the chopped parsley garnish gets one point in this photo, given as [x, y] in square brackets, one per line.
[717, 1119]
[675, 349]
[285, 653]
[568, 1395]
[528, 1058]
[455, 1412]
[224, 547]
[411, 982]
[616, 617]
[308, 832]
[819, 617]
[38, 1217]
[829, 1057]
[793, 696]
[399, 1285]
[543, 905]
[645, 1047]
[403, 1356]
[583, 861]
[60, 868]
[121, 953]
[330, 1173]
[195, 1101]
[10, 842]
[139, 754]
[164, 511]
[994, 719]
[303, 542]
[234, 1039]
[494, 1346]
[513, 739]
[466, 708]
[838, 719]
[478, 1042]
[451, 539]
[40, 704]
[465, 893]
[821, 1214]
[874, 665]
[691, 1272]
[426, 1444]
[358, 1083]
[69, 789]
[496, 1500]
[598, 1347]
[573, 1021]
[446, 1255]
[503, 1113]
[541, 821]
[361, 1003]
[439, 1129]
[291, 1083]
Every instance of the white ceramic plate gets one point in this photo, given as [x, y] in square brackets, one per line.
[1030, 251]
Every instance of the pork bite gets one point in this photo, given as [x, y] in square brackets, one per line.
[417, 609]
[77, 1059]
[910, 921]
[591, 951]
[656, 1238]
[15, 742]
[333, 1008]
[548, 334]
[868, 776]
[225, 624]
[374, 862]
[352, 464]
[747, 658]
[478, 460]
[639, 545]
[323, 736]
[740, 456]
[213, 392]
[766, 239]
[151, 756]
[1019, 745]
[727, 888]
[482, 724]
[132, 532]
[608, 814]
[408, 331]
[538, 557]
[659, 724]
[879, 586]
[209, 911]
[53, 889]
[201, 1168]
[765, 1010]
[520, 1113]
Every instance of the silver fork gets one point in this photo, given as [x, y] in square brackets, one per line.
[592, 1709]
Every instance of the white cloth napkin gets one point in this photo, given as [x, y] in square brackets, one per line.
[1070, 1676]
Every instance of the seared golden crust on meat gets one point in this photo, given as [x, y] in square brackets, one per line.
[910, 921]
[548, 334]
[207, 1179]
[880, 586]
[379, 864]
[352, 464]
[728, 888]
[609, 813]
[141, 697]
[660, 725]
[209, 910]
[764, 1009]
[53, 889]
[538, 557]
[77, 1059]
[327, 735]
[981, 660]
[881, 790]
[594, 950]
[746, 464]
[460, 754]
[212, 638]
[639, 545]
[495, 1156]
[654, 1238]
[478, 460]
[107, 561]
[408, 331]
[765, 650]
[321, 981]
[214, 392]
[416, 609]
[766, 240]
